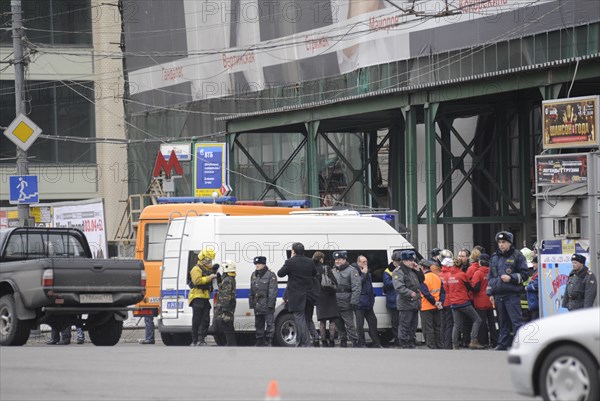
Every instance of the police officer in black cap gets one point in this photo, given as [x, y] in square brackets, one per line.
[435, 256]
[582, 286]
[508, 272]
[262, 298]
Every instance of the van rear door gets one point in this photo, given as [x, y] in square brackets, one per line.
[174, 289]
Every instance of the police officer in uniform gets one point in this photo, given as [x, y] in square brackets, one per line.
[508, 272]
[582, 286]
[407, 279]
[263, 296]
[226, 302]
[201, 279]
[347, 296]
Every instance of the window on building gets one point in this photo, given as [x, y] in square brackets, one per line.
[57, 110]
[57, 22]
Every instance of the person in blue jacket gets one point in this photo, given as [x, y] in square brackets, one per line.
[508, 272]
[364, 309]
[533, 301]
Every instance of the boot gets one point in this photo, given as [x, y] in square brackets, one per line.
[474, 344]
[332, 343]
[355, 344]
[269, 342]
[344, 343]
[202, 342]
[260, 342]
[316, 343]
[325, 343]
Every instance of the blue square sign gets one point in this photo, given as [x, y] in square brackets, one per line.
[23, 189]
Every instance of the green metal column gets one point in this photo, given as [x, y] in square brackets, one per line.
[230, 139]
[312, 163]
[397, 170]
[410, 150]
[371, 176]
[430, 176]
[524, 171]
[447, 189]
[503, 157]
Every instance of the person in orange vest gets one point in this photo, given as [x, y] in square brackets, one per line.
[433, 296]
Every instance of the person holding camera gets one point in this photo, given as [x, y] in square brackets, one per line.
[201, 277]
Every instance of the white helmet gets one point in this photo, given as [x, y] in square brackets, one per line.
[228, 266]
[446, 253]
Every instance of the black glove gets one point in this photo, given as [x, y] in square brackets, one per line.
[215, 267]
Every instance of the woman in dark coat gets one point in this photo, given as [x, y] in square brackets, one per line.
[327, 306]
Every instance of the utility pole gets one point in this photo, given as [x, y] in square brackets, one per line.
[20, 106]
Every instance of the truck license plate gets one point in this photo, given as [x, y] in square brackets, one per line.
[95, 298]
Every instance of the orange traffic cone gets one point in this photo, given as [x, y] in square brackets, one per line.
[272, 391]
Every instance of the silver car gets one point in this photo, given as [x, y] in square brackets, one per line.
[558, 357]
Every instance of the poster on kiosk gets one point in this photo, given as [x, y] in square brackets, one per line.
[554, 268]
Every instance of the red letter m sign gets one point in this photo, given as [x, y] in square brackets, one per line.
[167, 166]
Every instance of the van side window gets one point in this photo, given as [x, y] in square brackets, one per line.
[377, 260]
[154, 238]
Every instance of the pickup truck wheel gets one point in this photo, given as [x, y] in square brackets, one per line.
[285, 330]
[12, 330]
[107, 334]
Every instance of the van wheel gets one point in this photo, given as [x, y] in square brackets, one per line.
[386, 336]
[107, 334]
[285, 330]
[182, 338]
[167, 338]
[12, 330]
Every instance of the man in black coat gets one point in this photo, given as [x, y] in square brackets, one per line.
[300, 271]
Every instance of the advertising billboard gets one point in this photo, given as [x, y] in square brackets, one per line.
[561, 169]
[189, 50]
[211, 171]
[570, 123]
[87, 217]
[554, 268]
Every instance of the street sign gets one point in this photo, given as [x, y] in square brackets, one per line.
[225, 190]
[167, 166]
[23, 189]
[23, 132]
[210, 168]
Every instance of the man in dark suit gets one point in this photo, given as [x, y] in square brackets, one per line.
[300, 271]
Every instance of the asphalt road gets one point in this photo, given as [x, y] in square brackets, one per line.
[129, 371]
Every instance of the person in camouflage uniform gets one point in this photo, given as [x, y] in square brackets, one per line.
[225, 308]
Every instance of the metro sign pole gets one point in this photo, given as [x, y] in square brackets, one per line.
[20, 106]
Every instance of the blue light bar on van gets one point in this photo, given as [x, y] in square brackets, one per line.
[192, 199]
[273, 202]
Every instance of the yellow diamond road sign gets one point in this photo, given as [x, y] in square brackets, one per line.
[23, 132]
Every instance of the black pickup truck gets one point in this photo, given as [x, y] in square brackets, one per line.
[47, 275]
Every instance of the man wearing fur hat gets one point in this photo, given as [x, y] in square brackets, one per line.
[262, 298]
[508, 272]
[582, 286]
[347, 296]
[407, 279]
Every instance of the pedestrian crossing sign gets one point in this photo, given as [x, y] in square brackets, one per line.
[23, 189]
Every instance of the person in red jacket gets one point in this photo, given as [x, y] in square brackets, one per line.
[447, 320]
[458, 293]
[488, 334]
